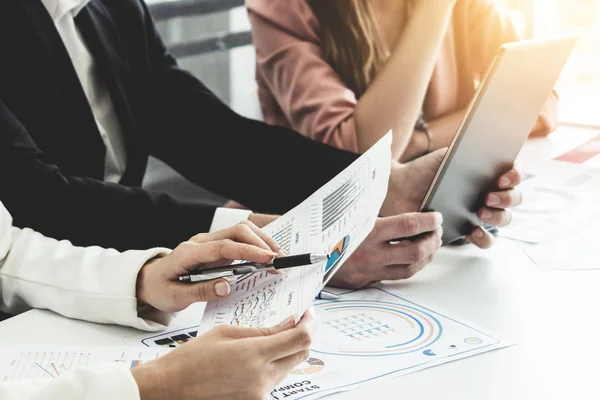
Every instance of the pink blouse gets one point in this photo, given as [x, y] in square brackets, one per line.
[300, 90]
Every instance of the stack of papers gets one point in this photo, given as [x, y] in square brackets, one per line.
[557, 224]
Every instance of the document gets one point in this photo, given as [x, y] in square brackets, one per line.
[577, 250]
[334, 220]
[50, 362]
[559, 198]
[377, 333]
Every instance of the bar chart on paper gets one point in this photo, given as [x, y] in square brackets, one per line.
[51, 363]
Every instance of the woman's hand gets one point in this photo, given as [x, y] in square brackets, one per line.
[228, 363]
[158, 284]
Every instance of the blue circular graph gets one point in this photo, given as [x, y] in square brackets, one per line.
[373, 328]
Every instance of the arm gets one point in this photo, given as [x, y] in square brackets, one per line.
[92, 283]
[318, 104]
[87, 211]
[212, 146]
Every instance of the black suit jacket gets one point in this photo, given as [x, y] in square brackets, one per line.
[52, 156]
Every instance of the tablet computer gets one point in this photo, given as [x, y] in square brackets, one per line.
[495, 127]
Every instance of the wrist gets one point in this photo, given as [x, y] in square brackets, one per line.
[149, 381]
[395, 198]
[141, 287]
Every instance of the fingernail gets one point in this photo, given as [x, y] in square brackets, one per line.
[439, 217]
[493, 200]
[478, 233]
[222, 289]
[269, 252]
[505, 182]
[486, 215]
[282, 253]
[288, 322]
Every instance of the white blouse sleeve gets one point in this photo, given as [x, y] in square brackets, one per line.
[112, 382]
[87, 283]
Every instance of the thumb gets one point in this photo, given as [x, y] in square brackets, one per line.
[207, 291]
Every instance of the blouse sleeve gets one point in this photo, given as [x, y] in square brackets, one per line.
[87, 283]
[291, 62]
[114, 382]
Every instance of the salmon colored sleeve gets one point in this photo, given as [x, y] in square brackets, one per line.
[291, 64]
[492, 28]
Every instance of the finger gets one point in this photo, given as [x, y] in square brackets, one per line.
[204, 291]
[243, 233]
[400, 272]
[291, 341]
[237, 332]
[272, 243]
[511, 179]
[283, 366]
[494, 216]
[505, 199]
[406, 225]
[406, 252]
[481, 238]
[229, 249]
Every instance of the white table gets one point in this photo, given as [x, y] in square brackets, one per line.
[553, 316]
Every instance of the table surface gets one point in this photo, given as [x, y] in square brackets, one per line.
[554, 318]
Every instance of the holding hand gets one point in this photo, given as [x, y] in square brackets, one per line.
[228, 363]
[385, 256]
[158, 284]
[409, 184]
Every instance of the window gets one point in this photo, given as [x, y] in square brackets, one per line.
[579, 86]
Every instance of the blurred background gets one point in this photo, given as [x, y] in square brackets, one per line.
[212, 39]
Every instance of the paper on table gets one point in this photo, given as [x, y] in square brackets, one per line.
[559, 197]
[334, 220]
[50, 362]
[577, 250]
[375, 333]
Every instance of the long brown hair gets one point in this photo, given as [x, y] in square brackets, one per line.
[351, 39]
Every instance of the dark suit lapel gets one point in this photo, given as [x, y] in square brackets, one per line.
[51, 66]
[102, 38]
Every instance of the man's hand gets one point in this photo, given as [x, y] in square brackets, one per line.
[409, 184]
[157, 283]
[228, 363]
[382, 257]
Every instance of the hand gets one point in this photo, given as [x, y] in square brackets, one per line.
[378, 259]
[409, 184]
[228, 363]
[157, 283]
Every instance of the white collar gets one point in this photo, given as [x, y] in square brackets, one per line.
[59, 8]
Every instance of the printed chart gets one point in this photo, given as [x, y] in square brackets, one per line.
[50, 363]
[171, 339]
[283, 237]
[375, 333]
[558, 198]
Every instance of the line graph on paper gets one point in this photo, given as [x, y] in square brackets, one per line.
[42, 365]
[283, 237]
[256, 308]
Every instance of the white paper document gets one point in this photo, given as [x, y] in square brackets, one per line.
[373, 334]
[50, 362]
[334, 220]
[559, 198]
[578, 250]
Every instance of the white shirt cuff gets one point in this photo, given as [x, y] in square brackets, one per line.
[226, 217]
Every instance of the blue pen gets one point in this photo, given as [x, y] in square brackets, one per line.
[325, 295]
